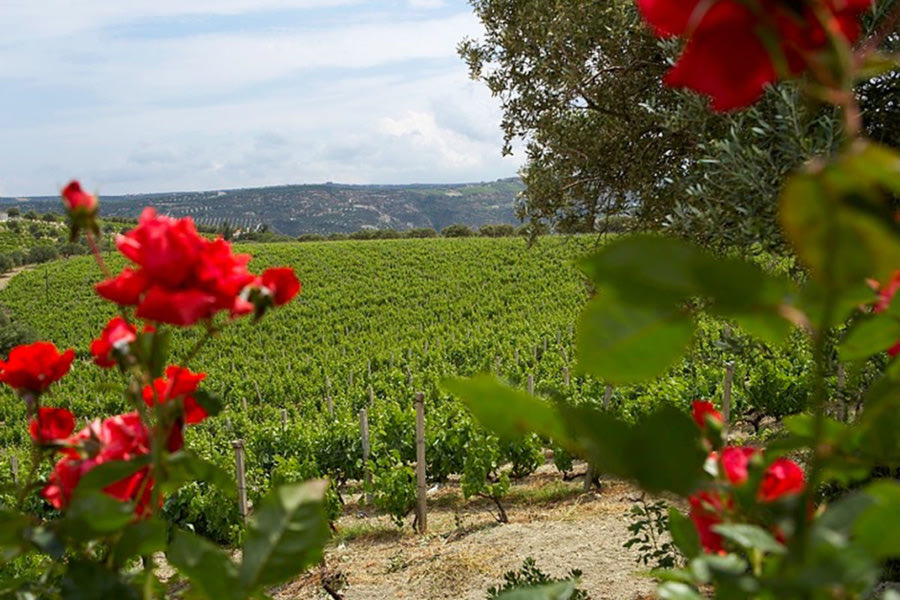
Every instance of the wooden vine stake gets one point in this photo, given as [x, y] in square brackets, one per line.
[726, 393]
[238, 446]
[531, 384]
[565, 376]
[330, 404]
[284, 420]
[14, 468]
[421, 516]
[367, 473]
[607, 396]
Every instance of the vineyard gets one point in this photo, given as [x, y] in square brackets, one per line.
[376, 323]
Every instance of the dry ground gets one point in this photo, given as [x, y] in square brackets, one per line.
[466, 550]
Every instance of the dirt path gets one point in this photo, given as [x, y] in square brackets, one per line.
[466, 551]
[5, 277]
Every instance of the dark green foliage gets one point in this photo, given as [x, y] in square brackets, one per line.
[457, 230]
[421, 232]
[530, 575]
[311, 237]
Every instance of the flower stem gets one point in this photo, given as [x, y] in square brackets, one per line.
[95, 250]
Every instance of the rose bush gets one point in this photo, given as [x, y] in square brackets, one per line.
[109, 479]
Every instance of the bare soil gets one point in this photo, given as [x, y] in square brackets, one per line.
[466, 550]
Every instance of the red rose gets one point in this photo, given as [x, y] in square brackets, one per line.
[783, 477]
[178, 384]
[702, 409]
[706, 511]
[126, 288]
[179, 277]
[165, 248]
[725, 57]
[76, 199]
[51, 425]
[34, 367]
[116, 336]
[280, 284]
[122, 437]
[177, 307]
[734, 463]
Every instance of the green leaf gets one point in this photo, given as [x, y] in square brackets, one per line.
[507, 411]
[684, 534]
[209, 568]
[645, 268]
[870, 336]
[624, 343]
[94, 513]
[89, 581]
[185, 466]
[140, 539]
[750, 537]
[677, 591]
[879, 423]
[561, 590]
[285, 535]
[877, 529]
[841, 211]
[108, 473]
[211, 404]
[661, 453]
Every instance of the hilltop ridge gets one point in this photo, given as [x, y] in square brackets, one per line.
[321, 208]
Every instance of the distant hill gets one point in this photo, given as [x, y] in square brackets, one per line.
[325, 208]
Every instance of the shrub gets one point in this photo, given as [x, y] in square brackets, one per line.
[457, 230]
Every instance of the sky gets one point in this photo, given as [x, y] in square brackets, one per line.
[134, 96]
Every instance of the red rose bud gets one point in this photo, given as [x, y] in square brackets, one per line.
[783, 478]
[33, 367]
[76, 200]
[115, 339]
[281, 284]
[702, 410]
[178, 384]
[735, 460]
[51, 425]
[725, 57]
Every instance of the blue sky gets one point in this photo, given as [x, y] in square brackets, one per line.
[138, 96]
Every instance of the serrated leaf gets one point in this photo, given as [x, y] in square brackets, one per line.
[285, 535]
[624, 343]
[506, 411]
[209, 568]
[646, 268]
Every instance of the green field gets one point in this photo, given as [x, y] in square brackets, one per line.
[395, 316]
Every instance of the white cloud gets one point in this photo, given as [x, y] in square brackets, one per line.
[380, 99]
